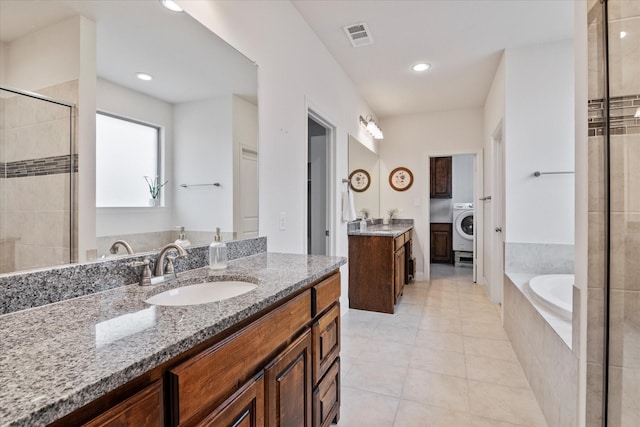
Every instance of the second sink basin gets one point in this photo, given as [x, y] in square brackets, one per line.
[201, 293]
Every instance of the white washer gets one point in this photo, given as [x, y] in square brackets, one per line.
[463, 227]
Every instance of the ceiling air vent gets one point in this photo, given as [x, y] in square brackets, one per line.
[358, 34]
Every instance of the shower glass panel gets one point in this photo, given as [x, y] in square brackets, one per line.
[623, 59]
[36, 188]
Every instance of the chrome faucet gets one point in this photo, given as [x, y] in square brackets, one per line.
[114, 247]
[160, 269]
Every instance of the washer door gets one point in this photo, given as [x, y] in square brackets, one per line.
[464, 225]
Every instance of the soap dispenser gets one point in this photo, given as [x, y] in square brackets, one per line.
[363, 224]
[217, 252]
[182, 240]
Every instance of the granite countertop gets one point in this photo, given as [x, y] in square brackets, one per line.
[59, 357]
[392, 230]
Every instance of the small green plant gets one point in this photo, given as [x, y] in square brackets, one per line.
[154, 186]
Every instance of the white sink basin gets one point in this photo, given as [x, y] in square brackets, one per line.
[201, 293]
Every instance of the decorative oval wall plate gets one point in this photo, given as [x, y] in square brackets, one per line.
[359, 180]
[400, 178]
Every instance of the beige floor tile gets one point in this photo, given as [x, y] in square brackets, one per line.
[355, 328]
[440, 324]
[392, 334]
[498, 349]
[351, 346]
[443, 391]
[413, 414]
[409, 309]
[440, 341]
[376, 377]
[361, 408]
[403, 321]
[495, 371]
[481, 316]
[381, 352]
[443, 311]
[483, 330]
[513, 405]
[439, 362]
[486, 422]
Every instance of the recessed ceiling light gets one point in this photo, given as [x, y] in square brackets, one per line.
[144, 76]
[171, 5]
[623, 34]
[421, 67]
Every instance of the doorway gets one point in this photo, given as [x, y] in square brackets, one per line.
[320, 136]
[452, 220]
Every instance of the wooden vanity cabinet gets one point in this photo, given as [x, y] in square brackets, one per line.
[278, 369]
[378, 271]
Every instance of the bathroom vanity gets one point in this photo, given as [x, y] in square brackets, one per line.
[380, 264]
[268, 357]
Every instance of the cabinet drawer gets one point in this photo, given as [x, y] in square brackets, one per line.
[325, 293]
[207, 379]
[142, 409]
[407, 236]
[245, 408]
[326, 342]
[399, 242]
[326, 398]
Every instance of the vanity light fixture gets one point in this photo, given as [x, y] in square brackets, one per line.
[372, 127]
[423, 66]
[171, 5]
[144, 76]
[637, 114]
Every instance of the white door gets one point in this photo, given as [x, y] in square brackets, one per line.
[498, 216]
[249, 192]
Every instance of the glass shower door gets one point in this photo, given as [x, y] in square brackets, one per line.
[36, 188]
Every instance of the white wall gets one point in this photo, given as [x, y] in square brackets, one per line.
[115, 99]
[539, 136]
[55, 48]
[203, 153]
[408, 142]
[294, 68]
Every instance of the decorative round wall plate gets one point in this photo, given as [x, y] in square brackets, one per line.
[359, 180]
[400, 178]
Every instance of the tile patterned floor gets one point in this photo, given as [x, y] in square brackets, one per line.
[442, 360]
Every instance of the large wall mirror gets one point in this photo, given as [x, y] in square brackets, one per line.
[367, 202]
[201, 103]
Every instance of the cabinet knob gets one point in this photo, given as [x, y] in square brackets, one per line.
[498, 229]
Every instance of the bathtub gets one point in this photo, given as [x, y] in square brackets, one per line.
[555, 291]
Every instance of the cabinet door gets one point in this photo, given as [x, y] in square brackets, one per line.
[288, 386]
[440, 177]
[399, 273]
[245, 408]
[143, 409]
[326, 342]
[441, 243]
[326, 398]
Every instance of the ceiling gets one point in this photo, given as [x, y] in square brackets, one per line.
[134, 36]
[462, 40]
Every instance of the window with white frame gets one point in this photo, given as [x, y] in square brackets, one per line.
[127, 157]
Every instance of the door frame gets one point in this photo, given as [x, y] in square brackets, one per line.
[312, 112]
[478, 236]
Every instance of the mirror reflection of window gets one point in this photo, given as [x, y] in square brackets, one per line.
[128, 152]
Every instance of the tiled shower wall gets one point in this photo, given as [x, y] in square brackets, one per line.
[623, 213]
[35, 159]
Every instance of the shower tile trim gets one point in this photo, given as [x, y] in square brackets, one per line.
[23, 290]
[37, 167]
